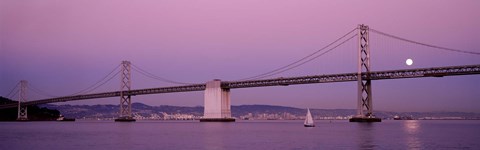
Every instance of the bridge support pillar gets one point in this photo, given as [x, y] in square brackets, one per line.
[216, 103]
[125, 97]
[364, 101]
[22, 109]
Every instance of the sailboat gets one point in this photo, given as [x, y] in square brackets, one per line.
[308, 120]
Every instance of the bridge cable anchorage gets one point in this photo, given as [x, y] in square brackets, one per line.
[11, 91]
[150, 75]
[424, 44]
[274, 72]
[89, 89]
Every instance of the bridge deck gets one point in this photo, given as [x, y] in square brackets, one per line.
[377, 75]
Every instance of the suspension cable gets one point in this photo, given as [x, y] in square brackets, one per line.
[273, 72]
[313, 58]
[150, 75]
[99, 81]
[40, 92]
[11, 91]
[102, 83]
[92, 87]
[423, 44]
[12, 96]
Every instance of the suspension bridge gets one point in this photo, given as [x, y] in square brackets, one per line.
[217, 92]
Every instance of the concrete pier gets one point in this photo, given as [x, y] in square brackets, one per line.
[216, 103]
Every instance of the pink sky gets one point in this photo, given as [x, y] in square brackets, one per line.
[62, 47]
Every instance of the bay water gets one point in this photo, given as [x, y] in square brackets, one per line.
[263, 135]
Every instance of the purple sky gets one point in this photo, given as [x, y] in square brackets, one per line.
[62, 47]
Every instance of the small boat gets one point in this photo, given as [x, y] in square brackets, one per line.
[308, 120]
[61, 118]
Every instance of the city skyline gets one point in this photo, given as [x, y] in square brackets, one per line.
[63, 47]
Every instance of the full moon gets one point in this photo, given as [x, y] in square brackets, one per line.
[409, 62]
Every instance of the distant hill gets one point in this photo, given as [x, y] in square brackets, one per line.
[111, 111]
[34, 113]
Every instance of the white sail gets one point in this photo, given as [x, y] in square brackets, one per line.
[308, 119]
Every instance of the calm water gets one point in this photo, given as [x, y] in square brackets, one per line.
[240, 135]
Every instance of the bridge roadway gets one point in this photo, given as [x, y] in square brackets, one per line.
[376, 75]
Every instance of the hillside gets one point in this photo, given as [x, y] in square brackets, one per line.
[242, 112]
[35, 113]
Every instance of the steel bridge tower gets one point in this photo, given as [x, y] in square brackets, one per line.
[364, 101]
[22, 98]
[125, 97]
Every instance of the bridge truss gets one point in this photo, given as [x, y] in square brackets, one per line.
[345, 77]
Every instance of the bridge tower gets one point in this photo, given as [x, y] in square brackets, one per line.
[364, 101]
[22, 98]
[216, 103]
[125, 97]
